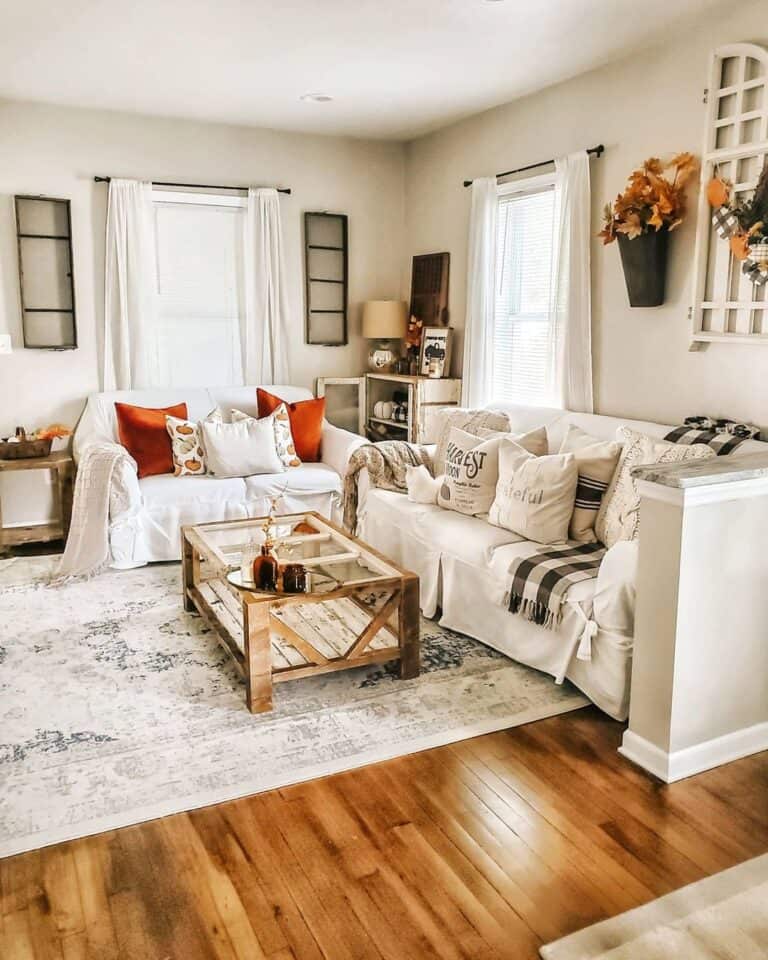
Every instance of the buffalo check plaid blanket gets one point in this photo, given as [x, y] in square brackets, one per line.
[540, 583]
[723, 436]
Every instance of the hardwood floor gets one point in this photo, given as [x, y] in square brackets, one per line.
[483, 849]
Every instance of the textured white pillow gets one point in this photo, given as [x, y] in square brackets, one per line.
[535, 441]
[422, 486]
[470, 421]
[471, 472]
[619, 514]
[241, 449]
[534, 495]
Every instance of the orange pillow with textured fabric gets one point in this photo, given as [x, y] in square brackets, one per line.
[306, 418]
[142, 432]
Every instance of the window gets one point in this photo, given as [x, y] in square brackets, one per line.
[199, 251]
[524, 335]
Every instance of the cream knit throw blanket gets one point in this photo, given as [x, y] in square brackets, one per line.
[100, 495]
[386, 463]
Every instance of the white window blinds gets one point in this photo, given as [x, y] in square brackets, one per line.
[200, 292]
[524, 342]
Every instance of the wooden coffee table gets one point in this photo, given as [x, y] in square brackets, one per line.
[360, 609]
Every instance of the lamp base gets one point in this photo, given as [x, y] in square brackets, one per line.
[382, 357]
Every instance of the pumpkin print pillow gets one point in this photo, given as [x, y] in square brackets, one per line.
[186, 447]
[286, 449]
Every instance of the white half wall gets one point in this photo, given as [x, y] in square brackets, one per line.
[649, 105]
[57, 151]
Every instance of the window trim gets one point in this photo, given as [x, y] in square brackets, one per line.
[528, 185]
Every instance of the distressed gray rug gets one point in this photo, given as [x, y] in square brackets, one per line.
[118, 707]
[724, 917]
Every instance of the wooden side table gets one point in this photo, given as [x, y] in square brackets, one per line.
[63, 466]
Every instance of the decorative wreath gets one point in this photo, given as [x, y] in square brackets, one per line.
[743, 223]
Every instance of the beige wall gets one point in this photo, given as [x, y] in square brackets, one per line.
[56, 151]
[648, 105]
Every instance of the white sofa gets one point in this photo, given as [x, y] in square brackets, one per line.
[149, 531]
[463, 561]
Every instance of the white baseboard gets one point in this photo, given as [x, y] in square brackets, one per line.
[702, 756]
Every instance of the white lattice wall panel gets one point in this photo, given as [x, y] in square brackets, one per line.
[727, 306]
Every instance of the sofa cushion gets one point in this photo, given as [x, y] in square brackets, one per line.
[242, 448]
[596, 461]
[306, 418]
[142, 432]
[534, 495]
[470, 473]
[470, 421]
[619, 514]
[167, 490]
[467, 538]
[307, 478]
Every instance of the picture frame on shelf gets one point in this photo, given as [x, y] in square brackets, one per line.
[435, 356]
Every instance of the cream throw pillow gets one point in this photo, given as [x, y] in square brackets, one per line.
[596, 462]
[534, 495]
[619, 514]
[470, 421]
[240, 449]
[471, 472]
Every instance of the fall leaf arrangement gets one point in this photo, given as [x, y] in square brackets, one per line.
[743, 222]
[653, 199]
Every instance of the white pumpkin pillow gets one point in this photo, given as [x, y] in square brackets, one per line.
[471, 471]
[186, 447]
[470, 421]
[284, 444]
[534, 495]
[619, 514]
[596, 462]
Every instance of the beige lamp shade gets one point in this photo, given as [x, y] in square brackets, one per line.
[385, 319]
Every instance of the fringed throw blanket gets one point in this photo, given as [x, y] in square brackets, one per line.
[386, 463]
[539, 583]
[100, 494]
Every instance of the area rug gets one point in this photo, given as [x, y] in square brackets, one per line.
[724, 917]
[118, 707]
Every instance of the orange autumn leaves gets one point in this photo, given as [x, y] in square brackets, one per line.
[653, 198]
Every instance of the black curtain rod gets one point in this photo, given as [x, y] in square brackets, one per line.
[593, 152]
[194, 186]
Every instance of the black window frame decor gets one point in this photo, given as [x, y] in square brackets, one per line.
[56, 238]
[342, 280]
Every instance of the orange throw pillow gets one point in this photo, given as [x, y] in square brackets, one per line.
[306, 418]
[142, 432]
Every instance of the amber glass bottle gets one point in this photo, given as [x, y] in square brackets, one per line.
[266, 567]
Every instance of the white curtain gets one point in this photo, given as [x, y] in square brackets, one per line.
[129, 359]
[481, 270]
[572, 304]
[265, 330]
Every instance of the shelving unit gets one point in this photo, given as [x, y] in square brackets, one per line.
[425, 398]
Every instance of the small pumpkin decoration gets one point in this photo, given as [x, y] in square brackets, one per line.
[718, 192]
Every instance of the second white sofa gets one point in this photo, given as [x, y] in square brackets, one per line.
[463, 562]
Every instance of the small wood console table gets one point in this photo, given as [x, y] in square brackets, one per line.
[63, 466]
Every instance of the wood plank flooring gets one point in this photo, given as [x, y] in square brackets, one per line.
[483, 849]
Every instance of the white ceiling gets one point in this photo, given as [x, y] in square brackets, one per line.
[396, 68]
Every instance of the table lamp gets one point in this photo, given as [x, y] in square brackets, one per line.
[383, 322]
